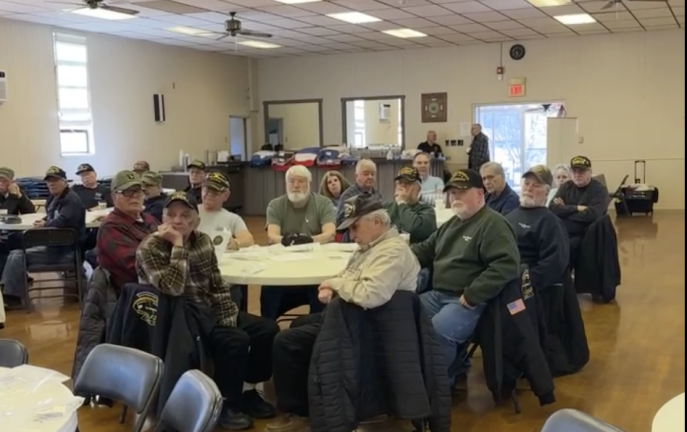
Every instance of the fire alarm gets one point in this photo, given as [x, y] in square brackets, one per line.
[499, 72]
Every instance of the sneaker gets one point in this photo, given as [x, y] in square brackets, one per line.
[233, 419]
[289, 423]
[255, 406]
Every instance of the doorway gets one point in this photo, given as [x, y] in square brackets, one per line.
[517, 134]
[275, 131]
[238, 137]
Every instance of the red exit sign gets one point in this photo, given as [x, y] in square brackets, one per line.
[516, 90]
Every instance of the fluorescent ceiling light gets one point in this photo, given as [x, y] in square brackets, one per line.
[549, 3]
[190, 31]
[575, 19]
[258, 44]
[404, 33]
[297, 1]
[103, 14]
[354, 17]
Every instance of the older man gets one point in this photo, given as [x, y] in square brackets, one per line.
[299, 217]
[155, 197]
[478, 152]
[500, 197]
[12, 200]
[473, 255]
[180, 261]
[214, 217]
[579, 202]
[141, 167]
[430, 146]
[542, 241]
[431, 185]
[90, 191]
[365, 181]
[383, 265]
[407, 213]
[196, 175]
[63, 210]
[124, 229]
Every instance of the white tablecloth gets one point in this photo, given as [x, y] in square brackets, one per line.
[671, 416]
[279, 266]
[443, 215]
[28, 220]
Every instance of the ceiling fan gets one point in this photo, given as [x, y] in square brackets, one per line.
[233, 27]
[99, 4]
[612, 3]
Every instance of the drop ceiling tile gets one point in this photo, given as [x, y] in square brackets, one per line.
[598, 6]
[505, 25]
[360, 5]
[415, 23]
[337, 46]
[469, 28]
[531, 37]
[484, 35]
[426, 11]
[637, 5]
[466, 7]
[443, 2]
[213, 17]
[256, 15]
[323, 8]
[344, 38]
[375, 36]
[289, 33]
[251, 25]
[369, 45]
[449, 19]
[288, 23]
[558, 30]
[653, 13]
[382, 25]
[502, 5]
[586, 28]
[563, 10]
[18, 8]
[173, 7]
[152, 23]
[538, 22]
[677, 3]
[183, 20]
[320, 20]
[627, 30]
[306, 40]
[620, 24]
[349, 28]
[520, 14]
[486, 17]
[441, 45]
[395, 3]
[613, 16]
[318, 31]
[519, 32]
[252, 3]
[286, 11]
[654, 22]
[429, 41]
[473, 42]
[438, 31]
[211, 5]
[391, 14]
[665, 27]
[681, 20]
[457, 38]
[679, 10]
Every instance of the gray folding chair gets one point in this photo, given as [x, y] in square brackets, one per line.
[12, 353]
[194, 405]
[570, 420]
[122, 374]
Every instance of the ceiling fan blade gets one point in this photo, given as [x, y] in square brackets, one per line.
[224, 36]
[254, 34]
[124, 11]
[608, 5]
[65, 3]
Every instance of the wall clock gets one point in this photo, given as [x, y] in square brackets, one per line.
[517, 52]
[434, 107]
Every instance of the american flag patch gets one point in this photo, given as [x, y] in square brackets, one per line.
[516, 307]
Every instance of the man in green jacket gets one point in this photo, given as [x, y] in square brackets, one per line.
[474, 255]
[407, 213]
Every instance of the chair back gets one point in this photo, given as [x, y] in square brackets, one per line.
[194, 405]
[570, 420]
[12, 353]
[122, 374]
[50, 237]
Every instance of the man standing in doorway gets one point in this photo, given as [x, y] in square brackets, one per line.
[478, 152]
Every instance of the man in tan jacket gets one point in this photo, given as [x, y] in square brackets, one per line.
[382, 265]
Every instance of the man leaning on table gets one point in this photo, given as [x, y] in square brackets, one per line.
[12, 202]
[408, 214]
[381, 266]
[180, 261]
[299, 217]
[63, 210]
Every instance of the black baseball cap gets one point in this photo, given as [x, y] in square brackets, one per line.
[55, 173]
[184, 198]
[216, 181]
[542, 174]
[465, 179]
[84, 168]
[359, 206]
[196, 164]
[581, 162]
[408, 174]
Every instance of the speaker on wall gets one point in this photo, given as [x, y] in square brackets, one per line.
[159, 107]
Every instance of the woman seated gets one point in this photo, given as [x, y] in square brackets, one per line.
[561, 174]
[333, 185]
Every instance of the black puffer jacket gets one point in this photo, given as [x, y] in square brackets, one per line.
[386, 360]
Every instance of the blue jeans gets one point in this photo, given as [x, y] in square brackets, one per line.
[453, 322]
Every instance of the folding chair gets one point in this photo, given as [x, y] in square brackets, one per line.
[12, 353]
[194, 405]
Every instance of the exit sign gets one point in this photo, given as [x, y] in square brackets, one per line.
[516, 87]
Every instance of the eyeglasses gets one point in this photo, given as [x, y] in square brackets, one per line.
[131, 193]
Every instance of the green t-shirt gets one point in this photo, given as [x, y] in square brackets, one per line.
[308, 219]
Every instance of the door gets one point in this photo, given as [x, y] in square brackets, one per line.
[238, 137]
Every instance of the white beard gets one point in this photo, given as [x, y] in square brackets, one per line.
[529, 202]
[297, 197]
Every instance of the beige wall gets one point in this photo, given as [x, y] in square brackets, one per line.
[628, 91]
[377, 132]
[124, 75]
[301, 123]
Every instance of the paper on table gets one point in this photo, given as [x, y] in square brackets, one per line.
[340, 247]
[291, 257]
[252, 269]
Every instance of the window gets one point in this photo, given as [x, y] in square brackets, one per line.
[359, 118]
[73, 96]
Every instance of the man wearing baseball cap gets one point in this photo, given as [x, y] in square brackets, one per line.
[407, 212]
[579, 202]
[90, 191]
[63, 210]
[141, 167]
[12, 199]
[155, 197]
[123, 229]
[196, 176]
[381, 266]
[473, 256]
[180, 261]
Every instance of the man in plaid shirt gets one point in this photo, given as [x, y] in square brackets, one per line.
[180, 261]
[478, 152]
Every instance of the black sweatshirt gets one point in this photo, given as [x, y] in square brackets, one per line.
[91, 197]
[594, 196]
[543, 244]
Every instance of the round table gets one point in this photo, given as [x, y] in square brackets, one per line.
[312, 268]
[27, 220]
[671, 416]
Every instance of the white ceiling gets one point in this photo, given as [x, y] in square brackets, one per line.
[304, 29]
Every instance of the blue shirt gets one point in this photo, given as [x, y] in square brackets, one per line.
[506, 202]
[430, 187]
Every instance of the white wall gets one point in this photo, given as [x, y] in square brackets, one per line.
[377, 132]
[301, 123]
[628, 90]
[124, 74]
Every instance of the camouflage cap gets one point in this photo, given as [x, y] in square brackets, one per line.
[182, 197]
[7, 173]
[125, 180]
[541, 173]
[359, 206]
[216, 181]
[151, 178]
[196, 163]
[409, 174]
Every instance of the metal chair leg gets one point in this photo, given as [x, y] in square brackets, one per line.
[122, 415]
[516, 402]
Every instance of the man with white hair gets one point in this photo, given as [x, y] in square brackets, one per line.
[542, 240]
[473, 256]
[381, 266]
[500, 197]
[299, 217]
[365, 181]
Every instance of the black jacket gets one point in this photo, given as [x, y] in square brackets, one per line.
[154, 206]
[66, 211]
[91, 197]
[509, 333]
[385, 360]
[598, 266]
[17, 205]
